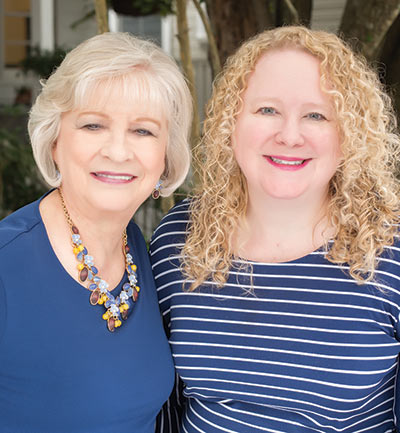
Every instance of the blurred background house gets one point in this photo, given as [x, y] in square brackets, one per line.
[34, 35]
[48, 24]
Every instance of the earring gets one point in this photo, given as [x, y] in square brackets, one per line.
[157, 190]
[58, 176]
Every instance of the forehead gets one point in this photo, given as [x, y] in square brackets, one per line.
[130, 90]
[286, 70]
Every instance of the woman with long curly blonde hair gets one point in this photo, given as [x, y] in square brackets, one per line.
[279, 279]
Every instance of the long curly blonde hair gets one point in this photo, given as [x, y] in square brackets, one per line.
[364, 192]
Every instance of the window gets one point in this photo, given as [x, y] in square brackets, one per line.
[17, 31]
[148, 26]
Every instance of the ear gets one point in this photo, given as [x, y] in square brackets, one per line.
[54, 152]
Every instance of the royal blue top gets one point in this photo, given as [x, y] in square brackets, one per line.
[295, 347]
[61, 370]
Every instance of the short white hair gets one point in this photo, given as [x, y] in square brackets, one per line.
[114, 59]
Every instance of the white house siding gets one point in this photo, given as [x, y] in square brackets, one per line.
[69, 12]
[327, 14]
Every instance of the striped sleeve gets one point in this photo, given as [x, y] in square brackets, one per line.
[169, 418]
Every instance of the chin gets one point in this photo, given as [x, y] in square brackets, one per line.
[285, 194]
[113, 205]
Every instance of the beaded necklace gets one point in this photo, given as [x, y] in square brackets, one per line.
[116, 307]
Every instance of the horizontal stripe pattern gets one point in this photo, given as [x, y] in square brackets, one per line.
[282, 347]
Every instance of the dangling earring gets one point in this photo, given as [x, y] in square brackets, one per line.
[58, 175]
[157, 190]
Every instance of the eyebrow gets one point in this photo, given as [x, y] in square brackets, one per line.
[139, 119]
[274, 100]
[148, 119]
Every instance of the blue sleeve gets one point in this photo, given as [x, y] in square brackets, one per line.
[3, 310]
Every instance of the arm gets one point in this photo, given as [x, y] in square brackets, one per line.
[164, 255]
[3, 309]
[169, 418]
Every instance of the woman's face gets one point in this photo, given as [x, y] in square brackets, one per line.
[286, 140]
[110, 158]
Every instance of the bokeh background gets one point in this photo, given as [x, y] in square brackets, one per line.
[36, 34]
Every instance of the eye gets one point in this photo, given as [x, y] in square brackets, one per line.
[316, 116]
[93, 126]
[143, 132]
[267, 110]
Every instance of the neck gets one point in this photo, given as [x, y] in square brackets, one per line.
[100, 231]
[280, 230]
[101, 234]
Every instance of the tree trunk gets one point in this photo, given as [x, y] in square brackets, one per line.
[390, 56]
[212, 44]
[366, 22]
[234, 21]
[294, 12]
[100, 7]
[187, 65]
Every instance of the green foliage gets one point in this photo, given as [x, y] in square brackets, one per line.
[142, 7]
[19, 178]
[42, 62]
[164, 7]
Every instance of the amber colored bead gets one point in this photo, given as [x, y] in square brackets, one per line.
[94, 297]
[83, 274]
[111, 324]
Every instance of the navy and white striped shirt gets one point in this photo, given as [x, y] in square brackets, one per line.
[300, 347]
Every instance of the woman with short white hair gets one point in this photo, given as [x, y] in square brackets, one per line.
[82, 347]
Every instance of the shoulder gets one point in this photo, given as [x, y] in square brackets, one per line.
[137, 245]
[169, 237]
[390, 256]
[135, 234]
[173, 226]
[18, 224]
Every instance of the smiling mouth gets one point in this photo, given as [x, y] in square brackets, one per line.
[114, 176]
[287, 162]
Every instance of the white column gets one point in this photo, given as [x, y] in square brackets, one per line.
[46, 19]
[167, 33]
[113, 21]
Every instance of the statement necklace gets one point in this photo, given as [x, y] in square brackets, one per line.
[116, 307]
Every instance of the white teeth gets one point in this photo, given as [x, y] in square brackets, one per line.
[284, 162]
[116, 177]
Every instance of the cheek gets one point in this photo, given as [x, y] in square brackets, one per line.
[253, 133]
[154, 157]
[337, 150]
[328, 144]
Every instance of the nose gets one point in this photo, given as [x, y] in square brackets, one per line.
[289, 133]
[117, 147]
